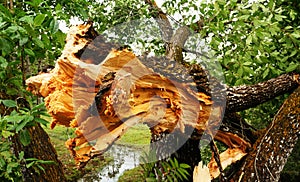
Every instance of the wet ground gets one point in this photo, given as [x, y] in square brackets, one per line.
[124, 158]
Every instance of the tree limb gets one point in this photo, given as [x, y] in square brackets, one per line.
[246, 96]
[162, 20]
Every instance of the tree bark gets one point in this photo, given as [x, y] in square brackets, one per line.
[40, 148]
[272, 149]
[246, 96]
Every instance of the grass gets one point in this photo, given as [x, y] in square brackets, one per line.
[136, 174]
[138, 136]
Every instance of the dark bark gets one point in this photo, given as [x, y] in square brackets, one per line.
[243, 97]
[271, 151]
[187, 149]
[41, 148]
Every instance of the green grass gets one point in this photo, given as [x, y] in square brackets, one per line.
[136, 136]
[135, 174]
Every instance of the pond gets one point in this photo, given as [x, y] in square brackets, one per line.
[124, 158]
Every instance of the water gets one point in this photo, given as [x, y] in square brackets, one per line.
[124, 158]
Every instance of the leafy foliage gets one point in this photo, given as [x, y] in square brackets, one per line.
[170, 169]
[29, 39]
[10, 125]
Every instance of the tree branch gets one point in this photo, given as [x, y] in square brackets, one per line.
[175, 47]
[162, 20]
[246, 96]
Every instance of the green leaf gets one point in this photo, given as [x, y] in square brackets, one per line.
[39, 106]
[248, 70]
[288, 27]
[266, 73]
[176, 163]
[9, 103]
[2, 25]
[27, 19]
[21, 155]
[6, 46]
[7, 134]
[14, 118]
[240, 71]
[42, 121]
[54, 26]
[184, 166]
[23, 40]
[21, 125]
[296, 34]
[12, 29]
[249, 40]
[2, 163]
[294, 53]
[5, 11]
[12, 165]
[41, 168]
[183, 173]
[247, 63]
[46, 41]
[172, 163]
[38, 42]
[38, 20]
[24, 137]
[46, 162]
[3, 62]
[30, 164]
[292, 67]
[169, 178]
[29, 52]
[178, 175]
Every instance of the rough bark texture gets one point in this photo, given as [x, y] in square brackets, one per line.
[243, 97]
[271, 151]
[41, 148]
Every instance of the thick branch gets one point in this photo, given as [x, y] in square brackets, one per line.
[176, 44]
[271, 151]
[162, 20]
[243, 97]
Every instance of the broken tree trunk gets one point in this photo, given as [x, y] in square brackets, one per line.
[103, 91]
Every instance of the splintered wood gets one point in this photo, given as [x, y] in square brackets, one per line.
[103, 98]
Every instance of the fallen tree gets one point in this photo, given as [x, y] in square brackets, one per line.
[102, 92]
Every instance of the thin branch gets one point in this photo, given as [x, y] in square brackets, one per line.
[11, 4]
